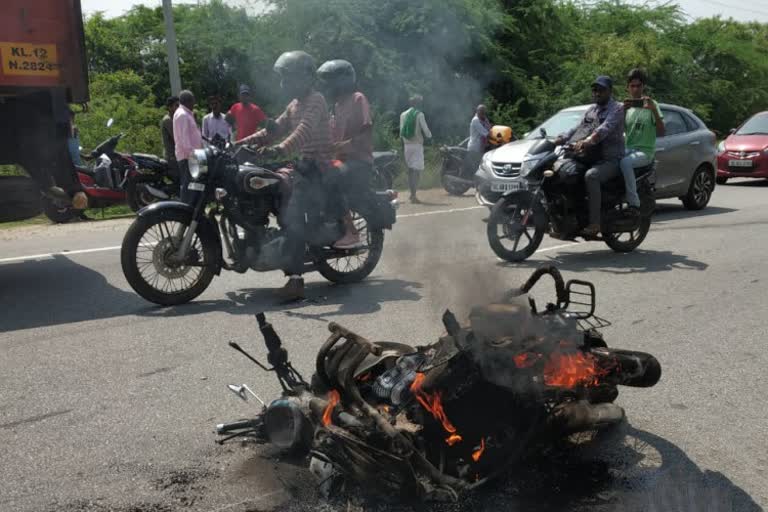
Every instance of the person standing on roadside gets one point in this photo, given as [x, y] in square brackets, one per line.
[643, 122]
[245, 115]
[187, 138]
[214, 122]
[479, 129]
[166, 128]
[413, 130]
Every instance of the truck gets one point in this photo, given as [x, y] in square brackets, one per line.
[43, 70]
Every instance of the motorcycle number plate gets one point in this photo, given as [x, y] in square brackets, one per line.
[506, 187]
[196, 186]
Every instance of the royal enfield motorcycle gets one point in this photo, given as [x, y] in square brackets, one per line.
[436, 421]
[173, 250]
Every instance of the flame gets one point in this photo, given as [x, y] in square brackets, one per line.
[333, 400]
[526, 359]
[571, 370]
[479, 452]
[433, 403]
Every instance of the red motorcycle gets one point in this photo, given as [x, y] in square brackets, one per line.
[117, 178]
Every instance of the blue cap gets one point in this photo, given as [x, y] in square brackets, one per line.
[244, 89]
[604, 81]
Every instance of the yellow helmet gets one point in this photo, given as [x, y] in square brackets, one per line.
[499, 135]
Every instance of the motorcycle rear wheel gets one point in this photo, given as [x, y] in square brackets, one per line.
[355, 265]
[628, 242]
[148, 243]
[506, 216]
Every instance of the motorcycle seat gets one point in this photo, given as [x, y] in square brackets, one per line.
[147, 156]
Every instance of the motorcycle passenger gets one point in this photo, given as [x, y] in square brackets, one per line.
[352, 130]
[305, 124]
[603, 147]
[643, 125]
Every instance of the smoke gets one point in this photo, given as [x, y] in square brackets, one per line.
[436, 48]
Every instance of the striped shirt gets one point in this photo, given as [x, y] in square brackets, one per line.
[306, 126]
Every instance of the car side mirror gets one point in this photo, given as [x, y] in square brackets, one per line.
[732, 131]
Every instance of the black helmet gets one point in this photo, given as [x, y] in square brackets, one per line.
[337, 77]
[296, 65]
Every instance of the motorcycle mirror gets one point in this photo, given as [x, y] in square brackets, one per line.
[543, 133]
[239, 391]
[110, 122]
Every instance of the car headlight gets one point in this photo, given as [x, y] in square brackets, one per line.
[721, 146]
[528, 166]
[198, 163]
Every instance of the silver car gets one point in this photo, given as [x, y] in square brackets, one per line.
[686, 158]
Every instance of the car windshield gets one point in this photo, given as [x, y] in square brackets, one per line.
[557, 124]
[757, 125]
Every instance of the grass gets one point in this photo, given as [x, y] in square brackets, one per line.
[95, 214]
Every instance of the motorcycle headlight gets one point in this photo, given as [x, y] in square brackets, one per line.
[528, 166]
[198, 163]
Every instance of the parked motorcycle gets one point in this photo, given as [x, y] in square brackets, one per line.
[116, 178]
[385, 165]
[457, 175]
[552, 198]
[173, 250]
[438, 421]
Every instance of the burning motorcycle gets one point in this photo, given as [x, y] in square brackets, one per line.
[551, 198]
[436, 421]
[172, 251]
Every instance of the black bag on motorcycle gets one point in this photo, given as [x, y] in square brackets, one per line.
[593, 154]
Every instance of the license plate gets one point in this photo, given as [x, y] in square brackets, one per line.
[196, 186]
[740, 163]
[513, 186]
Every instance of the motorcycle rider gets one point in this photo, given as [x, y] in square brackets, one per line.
[605, 123]
[643, 125]
[352, 130]
[305, 124]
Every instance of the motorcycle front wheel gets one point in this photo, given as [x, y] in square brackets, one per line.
[148, 263]
[515, 228]
[137, 194]
[354, 265]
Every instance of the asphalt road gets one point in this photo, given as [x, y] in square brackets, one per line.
[109, 403]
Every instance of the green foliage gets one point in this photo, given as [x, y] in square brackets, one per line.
[125, 98]
[525, 59]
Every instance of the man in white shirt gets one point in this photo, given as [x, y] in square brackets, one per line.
[215, 122]
[413, 130]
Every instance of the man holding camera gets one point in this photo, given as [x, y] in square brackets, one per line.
[643, 122]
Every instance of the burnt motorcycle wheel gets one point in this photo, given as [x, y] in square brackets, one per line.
[505, 226]
[352, 266]
[148, 268]
[628, 242]
[59, 214]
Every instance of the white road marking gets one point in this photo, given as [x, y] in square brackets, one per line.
[117, 247]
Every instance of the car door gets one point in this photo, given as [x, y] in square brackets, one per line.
[674, 155]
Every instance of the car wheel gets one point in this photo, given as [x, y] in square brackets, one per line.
[700, 190]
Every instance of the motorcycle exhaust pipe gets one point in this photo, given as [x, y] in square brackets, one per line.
[580, 416]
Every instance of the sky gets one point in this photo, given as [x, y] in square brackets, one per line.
[756, 10]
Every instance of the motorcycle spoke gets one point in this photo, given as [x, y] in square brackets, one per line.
[517, 242]
[528, 236]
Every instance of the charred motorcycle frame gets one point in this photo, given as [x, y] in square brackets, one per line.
[435, 421]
